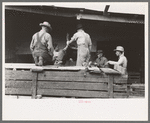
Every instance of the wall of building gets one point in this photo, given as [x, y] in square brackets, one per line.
[20, 26]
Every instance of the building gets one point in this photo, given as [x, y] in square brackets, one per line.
[107, 30]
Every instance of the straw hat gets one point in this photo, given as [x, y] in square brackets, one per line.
[119, 48]
[46, 24]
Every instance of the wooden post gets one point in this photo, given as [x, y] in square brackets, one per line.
[110, 85]
[34, 85]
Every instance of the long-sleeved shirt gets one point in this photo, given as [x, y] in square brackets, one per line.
[82, 38]
[46, 41]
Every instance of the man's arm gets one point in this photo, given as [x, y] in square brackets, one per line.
[32, 44]
[50, 45]
[120, 61]
[74, 38]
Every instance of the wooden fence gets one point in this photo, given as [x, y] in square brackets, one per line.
[66, 83]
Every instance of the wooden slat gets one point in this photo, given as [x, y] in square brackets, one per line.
[119, 79]
[72, 93]
[122, 87]
[72, 85]
[18, 84]
[71, 76]
[18, 75]
[34, 85]
[110, 71]
[134, 93]
[110, 86]
[121, 95]
[17, 91]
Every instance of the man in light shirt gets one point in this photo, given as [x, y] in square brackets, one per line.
[121, 64]
[84, 45]
[41, 45]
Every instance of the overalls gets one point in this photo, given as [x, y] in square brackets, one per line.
[41, 51]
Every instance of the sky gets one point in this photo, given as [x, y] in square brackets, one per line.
[118, 7]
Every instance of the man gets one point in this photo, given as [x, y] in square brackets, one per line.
[41, 45]
[101, 60]
[121, 64]
[66, 54]
[84, 46]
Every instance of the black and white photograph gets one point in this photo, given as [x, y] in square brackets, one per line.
[80, 52]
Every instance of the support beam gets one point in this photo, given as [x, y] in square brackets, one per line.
[106, 10]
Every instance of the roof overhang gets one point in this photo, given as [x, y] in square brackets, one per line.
[80, 13]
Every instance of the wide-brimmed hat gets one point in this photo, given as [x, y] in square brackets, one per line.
[46, 24]
[119, 48]
[79, 26]
[99, 51]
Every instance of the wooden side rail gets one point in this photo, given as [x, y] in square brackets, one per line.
[64, 84]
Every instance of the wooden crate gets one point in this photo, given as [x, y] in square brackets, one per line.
[66, 83]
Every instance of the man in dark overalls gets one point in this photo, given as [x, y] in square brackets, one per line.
[41, 45]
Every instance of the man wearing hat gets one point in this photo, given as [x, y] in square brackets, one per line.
[101, 60]
[121, 64]
[84, 45]
[41, 45]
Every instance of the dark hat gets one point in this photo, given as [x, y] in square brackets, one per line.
[99, 51]
[79, 26]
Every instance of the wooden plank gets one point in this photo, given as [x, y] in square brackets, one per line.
[121, 95]
[72, 93]
[134, 93]
[120, 88]
[18, 75]
[110, 86]
[18, 91]
[18, 84]
[34, 85]
[71, 76]
[110, 71]
[120, 79]
[72, 85]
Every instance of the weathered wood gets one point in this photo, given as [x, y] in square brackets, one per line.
[17, 75]
[71, 76]
[121, 95]
[34, 85]
[120, 79]
[17, 91]
[120, 88]
[72, 93]
[72, 85]
[110, 71]
[18, 84]
[110, 86]
[36, 69]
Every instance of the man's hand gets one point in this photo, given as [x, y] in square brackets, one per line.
[95, 64]
[68, 42]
